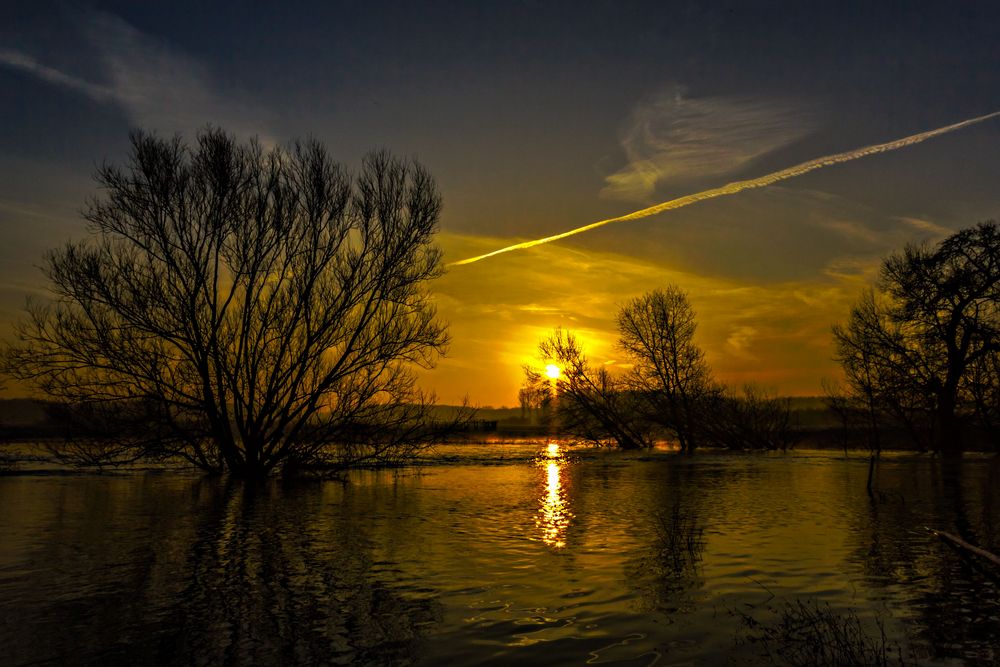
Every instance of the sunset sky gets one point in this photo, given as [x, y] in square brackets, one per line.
[537, 117]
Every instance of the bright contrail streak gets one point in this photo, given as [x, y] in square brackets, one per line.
[740, 186]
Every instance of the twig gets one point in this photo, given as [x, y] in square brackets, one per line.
[769, 592]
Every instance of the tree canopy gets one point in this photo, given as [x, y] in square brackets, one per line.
[250, 308]
[669, 372]
[922, 351]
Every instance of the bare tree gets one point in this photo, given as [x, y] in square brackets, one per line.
[592, 404]
[669, 391]
[922, 347]
[983, 382]
[885, 374]
[753, 419]
[947, 300]
[669, 370]
[263, 308]
[536, 397]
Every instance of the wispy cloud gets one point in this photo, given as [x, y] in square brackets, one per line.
[672, 137]
[935, 230]
[854, 230]
[157, 86]
[25, 63]
[889, 237]
[740, 340]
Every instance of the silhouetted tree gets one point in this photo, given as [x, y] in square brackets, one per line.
[885, 373]
[656, 332]
[920, 350]
[260, 305]
[668, 393]
[591, 403]
[753, 419]
[983, 382]
[536, 397]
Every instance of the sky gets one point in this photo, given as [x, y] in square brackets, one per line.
[538, 117]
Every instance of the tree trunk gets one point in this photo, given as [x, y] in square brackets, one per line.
[949, 435]
[250, 470]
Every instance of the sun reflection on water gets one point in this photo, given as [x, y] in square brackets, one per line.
[554, 516]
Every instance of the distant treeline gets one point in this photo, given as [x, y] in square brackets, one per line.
[29, 419]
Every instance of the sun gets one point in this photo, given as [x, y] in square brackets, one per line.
[553, 371]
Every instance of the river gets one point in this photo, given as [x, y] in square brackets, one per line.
[497, 554]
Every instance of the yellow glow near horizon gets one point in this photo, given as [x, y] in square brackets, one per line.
[740, 186]
[552, 371]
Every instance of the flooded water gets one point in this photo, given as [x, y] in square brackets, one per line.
[502, 554]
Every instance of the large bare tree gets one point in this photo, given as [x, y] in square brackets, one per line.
[245, 309]
[924, 348]
[656, 331]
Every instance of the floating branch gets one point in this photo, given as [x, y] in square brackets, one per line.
[959, 542]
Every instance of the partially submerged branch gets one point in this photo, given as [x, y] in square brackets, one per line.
[957, 541]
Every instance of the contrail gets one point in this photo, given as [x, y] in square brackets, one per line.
[740, 186]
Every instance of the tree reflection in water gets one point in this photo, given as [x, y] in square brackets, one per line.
[461, 564]
[279, 586]
[667, 573]
[245, 574]
[953, 609]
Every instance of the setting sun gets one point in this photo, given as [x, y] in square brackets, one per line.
[552, 371]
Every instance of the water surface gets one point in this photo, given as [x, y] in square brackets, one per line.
[525, 553]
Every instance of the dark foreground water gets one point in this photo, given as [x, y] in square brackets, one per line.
[513, 554]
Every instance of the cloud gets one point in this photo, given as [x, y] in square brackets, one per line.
[157, 87]
[671, 137]
[740, 340]
[25, 63]
[853, 230]
[936, 231]
[883, 235]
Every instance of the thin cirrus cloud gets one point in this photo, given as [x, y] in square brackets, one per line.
[26, 63]
[671, 137]
[156, 86]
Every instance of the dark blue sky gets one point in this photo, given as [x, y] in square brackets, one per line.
[540, 116]
[421, 73]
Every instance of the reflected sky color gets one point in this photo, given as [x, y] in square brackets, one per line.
[448, 567]
[554, 515]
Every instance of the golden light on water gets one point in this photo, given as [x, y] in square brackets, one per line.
[554, 515]
[552, 371]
